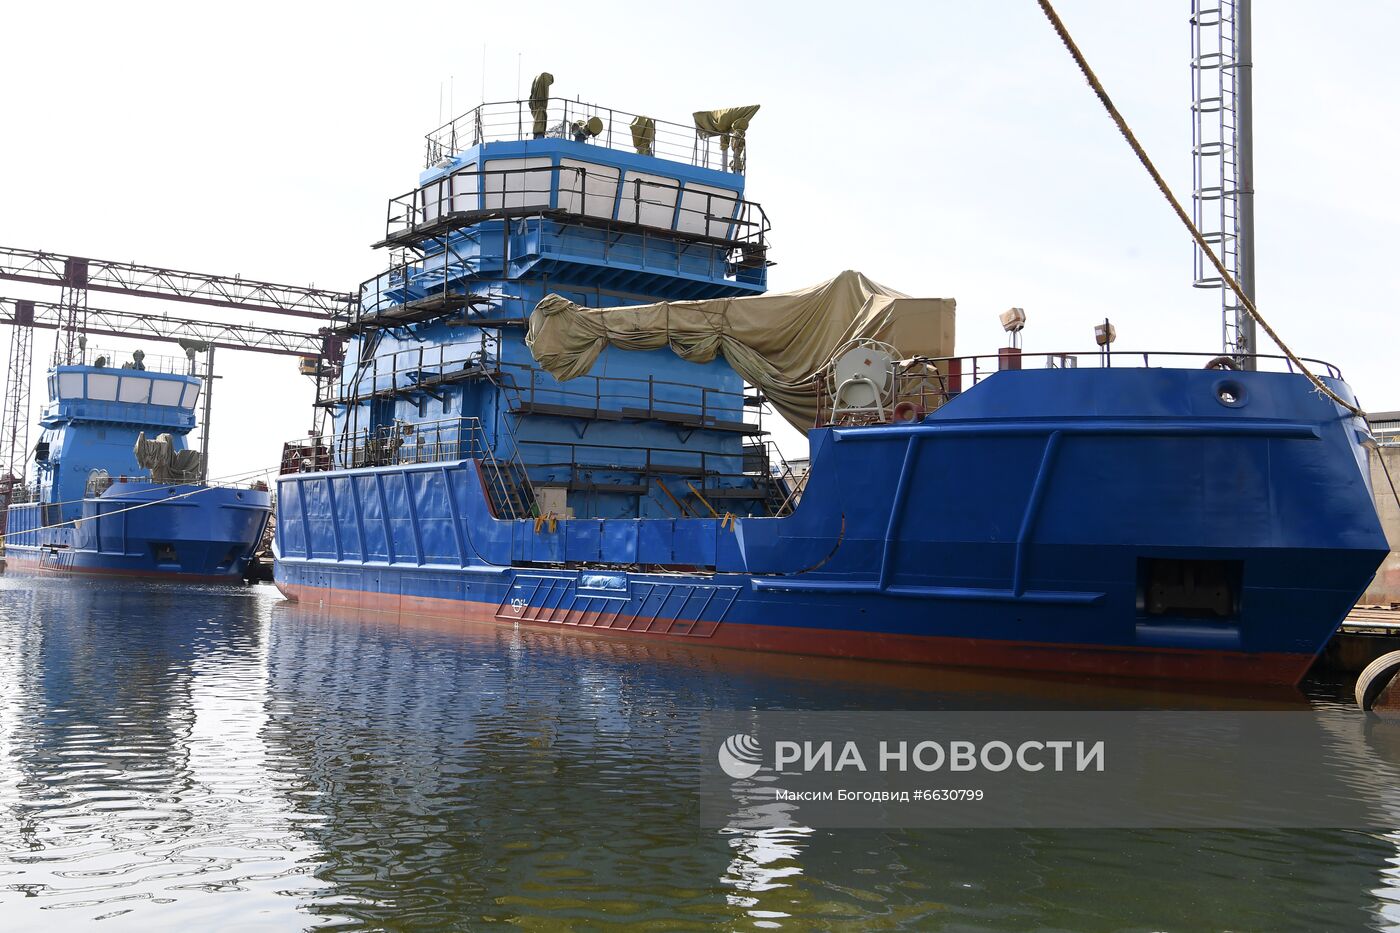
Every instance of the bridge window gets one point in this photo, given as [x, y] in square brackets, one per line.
[701, 202]
[466, 194]
[508, 183]
[135, 389]
[102, 387]
[191, 395]
[431, 196]
[648, 199]
[166, 392]
[585, 188]
[70, 385]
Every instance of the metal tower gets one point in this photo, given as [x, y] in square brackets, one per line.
[1222, 146]
[14, 418]
[74, 319]
[71, 339]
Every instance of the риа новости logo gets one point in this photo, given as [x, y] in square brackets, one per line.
[740, 756]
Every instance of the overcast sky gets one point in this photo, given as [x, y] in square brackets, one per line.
[946, 149]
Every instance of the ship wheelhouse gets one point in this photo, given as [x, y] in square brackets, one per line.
[94, 414]
[437, 367]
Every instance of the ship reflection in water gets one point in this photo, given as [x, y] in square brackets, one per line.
[214, 758]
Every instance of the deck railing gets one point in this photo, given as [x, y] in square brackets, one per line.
[388, 445]
[401, 444]
[513, 120]
[531, 389]
[471, 195]
[123, 359]
[406, 370]
[927, 383]
[757, 472]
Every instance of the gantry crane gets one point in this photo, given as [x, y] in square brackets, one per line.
[320, 311]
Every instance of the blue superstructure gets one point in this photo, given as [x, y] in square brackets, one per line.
[1162, 519]
[95, 509]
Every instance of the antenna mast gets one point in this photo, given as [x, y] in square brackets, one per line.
[1222, 152]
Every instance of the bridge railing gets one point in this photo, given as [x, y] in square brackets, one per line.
[388, 445]
[923, 384]
[513, 120]
[471, 195]
[402, 443]
[123, 359]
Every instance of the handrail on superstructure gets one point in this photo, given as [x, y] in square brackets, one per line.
[1133, 358]
[409, 443]
[508, 480]
[150, 362]
[437, 208]
[927, 383]
[528, 388]
[512, 120]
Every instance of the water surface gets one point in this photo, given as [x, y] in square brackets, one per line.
[210, 758]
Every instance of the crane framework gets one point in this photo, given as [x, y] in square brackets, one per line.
[72, 318]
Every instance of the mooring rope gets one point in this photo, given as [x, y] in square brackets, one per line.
[1162, 186]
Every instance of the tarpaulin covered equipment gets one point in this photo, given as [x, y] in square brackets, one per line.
[777, 342]
[644, 135]
[729, 124]
[539, 101]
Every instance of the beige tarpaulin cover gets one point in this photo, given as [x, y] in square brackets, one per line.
[539, 101]
[775, 342]
[167, 465]
[644, 135]
[727, 123]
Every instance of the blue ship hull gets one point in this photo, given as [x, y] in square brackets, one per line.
[142, 529]
[1118, 521]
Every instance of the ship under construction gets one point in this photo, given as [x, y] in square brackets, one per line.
[551, 413]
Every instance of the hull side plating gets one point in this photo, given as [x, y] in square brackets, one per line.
[1015, 527]
[141, 529]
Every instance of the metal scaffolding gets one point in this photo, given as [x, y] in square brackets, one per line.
[130, 324]
[129, 278]
[14, 417]
[73, 320]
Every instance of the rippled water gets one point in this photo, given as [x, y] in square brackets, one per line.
[216, 759]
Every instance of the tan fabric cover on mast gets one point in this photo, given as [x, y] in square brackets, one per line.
[775, 342]
[644, 135]
[728, 123]
[539, 101]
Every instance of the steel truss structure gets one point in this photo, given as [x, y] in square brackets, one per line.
[73, 318]
[129, 278]
[134, 325]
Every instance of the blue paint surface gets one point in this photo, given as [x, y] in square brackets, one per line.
[126, 525]
[1027, 511]
[1155, 473]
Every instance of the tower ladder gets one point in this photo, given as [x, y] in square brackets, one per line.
[1221, 144]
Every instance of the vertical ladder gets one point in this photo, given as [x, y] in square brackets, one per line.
[1222, 193]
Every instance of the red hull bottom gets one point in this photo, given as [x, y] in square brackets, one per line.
[1156, 663]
